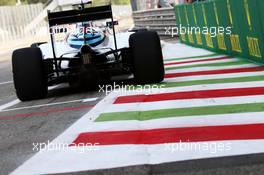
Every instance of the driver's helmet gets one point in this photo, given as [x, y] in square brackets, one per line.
[85, 33]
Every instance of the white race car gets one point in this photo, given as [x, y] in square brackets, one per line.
[88, 57]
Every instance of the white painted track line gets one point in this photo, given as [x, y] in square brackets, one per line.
[233, 60]
[197, 59]
[89, 100]
[7, 82]
[16, 101]
[213, 76]
[190, 103]
[8, 105]
[51, 104]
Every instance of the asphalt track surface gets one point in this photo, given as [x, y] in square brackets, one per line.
[22, 124]
[20, 128]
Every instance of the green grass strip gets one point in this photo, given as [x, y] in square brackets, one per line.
[184, 58]
[180, 112]
[235, 63]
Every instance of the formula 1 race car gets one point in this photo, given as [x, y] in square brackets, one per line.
[87, 57]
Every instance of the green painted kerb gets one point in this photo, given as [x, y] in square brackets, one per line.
[181, 112]
[234, 63]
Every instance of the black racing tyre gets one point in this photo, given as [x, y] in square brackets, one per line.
[28, 74]
[147, 57]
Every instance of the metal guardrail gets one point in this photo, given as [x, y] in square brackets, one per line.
[159, 20]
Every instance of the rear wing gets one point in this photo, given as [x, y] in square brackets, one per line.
[80, 15]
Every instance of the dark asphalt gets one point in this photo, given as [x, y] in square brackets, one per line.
[236, 165]
[18, 132]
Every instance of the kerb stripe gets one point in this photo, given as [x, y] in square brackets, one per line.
[173, 135]
[191, 95]
[196, 61]
[211, 72]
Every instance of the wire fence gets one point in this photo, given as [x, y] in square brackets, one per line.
[14, 19]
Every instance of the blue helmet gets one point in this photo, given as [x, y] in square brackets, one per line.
[85, 34]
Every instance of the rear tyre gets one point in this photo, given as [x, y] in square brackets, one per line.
[147, 57]
[29, 75]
